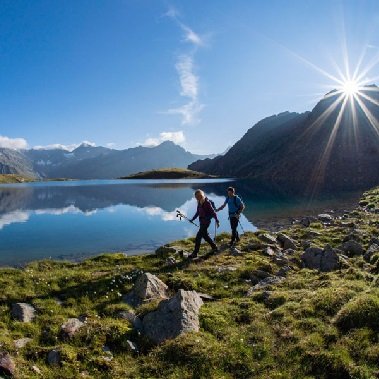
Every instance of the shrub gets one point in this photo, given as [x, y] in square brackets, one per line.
[360, 312]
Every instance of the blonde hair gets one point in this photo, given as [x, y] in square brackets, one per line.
[199, 191]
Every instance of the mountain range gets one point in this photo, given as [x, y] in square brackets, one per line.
[91, 162]
[333, 147]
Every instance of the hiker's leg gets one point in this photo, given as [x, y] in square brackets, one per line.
[234, 225]
[207, 237]
[198, 238]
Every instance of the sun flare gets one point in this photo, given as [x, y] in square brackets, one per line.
[350, 87]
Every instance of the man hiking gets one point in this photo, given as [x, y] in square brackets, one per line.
[235, 207]
[205, 212]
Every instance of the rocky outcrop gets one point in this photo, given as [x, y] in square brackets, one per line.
[324, 260]
[23, 312]
[286, 242]
[146, 288]
[173, 317]
[352, 248]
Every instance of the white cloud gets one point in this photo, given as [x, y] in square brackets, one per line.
[189, 88]
[176, 137]
[190, 36]
[111, 144]
[60, 146]
[13, 143]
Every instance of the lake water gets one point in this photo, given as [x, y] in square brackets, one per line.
[73, 220]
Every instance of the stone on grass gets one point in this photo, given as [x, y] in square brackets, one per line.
[7, 365]
[373, 249]
[54, 357]
[267, 238]
[265, 283]
[284, 271]
[173, 317]
[323, 260]
[325, 217]
[132, 318]
[71, 327]
[21, 342]
[165, 251]
[352, 248]
[286, 242]
[146, 288]
[23, 312]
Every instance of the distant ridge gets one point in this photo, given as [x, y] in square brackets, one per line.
[307, 152]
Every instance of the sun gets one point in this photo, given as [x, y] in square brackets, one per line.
[350, 87]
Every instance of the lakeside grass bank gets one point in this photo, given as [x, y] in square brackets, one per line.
[309, 325]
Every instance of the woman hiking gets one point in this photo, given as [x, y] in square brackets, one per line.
[205, 212]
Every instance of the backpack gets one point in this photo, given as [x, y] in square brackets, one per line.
[213, 205]
[235, 200]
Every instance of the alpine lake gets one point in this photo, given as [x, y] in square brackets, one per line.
[78, 219]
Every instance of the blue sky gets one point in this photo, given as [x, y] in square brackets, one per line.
[129, 72]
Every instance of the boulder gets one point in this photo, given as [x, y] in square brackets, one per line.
[71, 327]
[269, 251]
[54, 357]
[173, 317]
[146, 288]
[7, 365]
[373, 249]
[324, 260]
[286, 242]
[267, 238]
[352, 248]
[23, 312]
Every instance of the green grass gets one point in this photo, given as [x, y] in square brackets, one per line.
[12, 178]
[312, 325]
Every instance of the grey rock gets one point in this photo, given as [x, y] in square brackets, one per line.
[352, 248]
[267, 238]
[165, 251]
[36, 369]
[265, 283]
[235, 251]
[324, 260]
[373, 249]
[289, 252]
[7, 365]
[54, 357]
[269, 251]
[146, 288]
[325, 217]
[132, 346]
[286, 242]
[206, 297]
[284, 271]
[132, 318]
[71, 327]
[173, 317]
[23, 312]
[171, 261]
[305, 221]
[256, 245]
[21, 342]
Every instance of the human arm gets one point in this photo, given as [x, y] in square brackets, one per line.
[222, 206]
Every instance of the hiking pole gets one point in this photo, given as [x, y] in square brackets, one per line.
[182, 215]
[215, 231]
[239, 221]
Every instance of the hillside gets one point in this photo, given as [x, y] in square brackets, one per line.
[264, 314]
[169, 173]
[330, 148]
[16, 162]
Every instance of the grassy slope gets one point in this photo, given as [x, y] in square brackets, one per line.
[314, 325]
[169, 173]
[11, 178]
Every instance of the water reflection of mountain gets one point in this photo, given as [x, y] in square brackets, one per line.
[90, 198]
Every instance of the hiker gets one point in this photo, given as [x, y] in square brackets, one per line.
[235, 207]
[205, 212]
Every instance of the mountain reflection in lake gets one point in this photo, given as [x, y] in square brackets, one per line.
[72, 220]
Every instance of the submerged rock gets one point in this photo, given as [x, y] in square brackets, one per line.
[23, 312]
[173, 317]
[147, 287]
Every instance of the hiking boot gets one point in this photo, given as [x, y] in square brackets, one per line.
[192, 256]
[231, 244]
